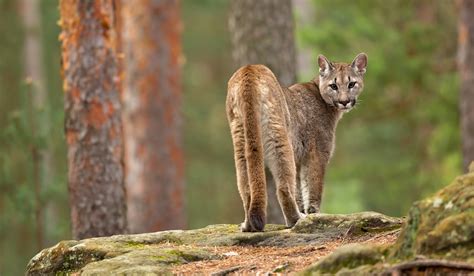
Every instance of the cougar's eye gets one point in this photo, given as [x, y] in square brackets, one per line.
[351, 84]
[333, 86]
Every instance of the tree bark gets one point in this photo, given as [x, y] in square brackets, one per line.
[92, 118]
[152, 118]
[263, 32]
[466, 72]
[305, 17]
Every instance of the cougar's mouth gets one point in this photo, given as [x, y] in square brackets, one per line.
[346, 106]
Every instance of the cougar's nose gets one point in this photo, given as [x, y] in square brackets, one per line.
[344, 103]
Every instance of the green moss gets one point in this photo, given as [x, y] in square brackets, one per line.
[134, 244]
[141, 243]
[180, 256]
[348, 257]
[449, 232]
[405, 243]
[348, 224]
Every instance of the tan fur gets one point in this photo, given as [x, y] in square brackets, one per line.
[289, 130]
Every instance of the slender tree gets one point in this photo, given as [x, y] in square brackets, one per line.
[41, 158]
[92, 118]
[152, 119]
[466, 72]
[263, 32]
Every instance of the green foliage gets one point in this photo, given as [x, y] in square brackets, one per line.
[24, 140]
[402, 141]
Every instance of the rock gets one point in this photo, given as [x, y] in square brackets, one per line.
[355, 224]
[438, 237]
[156, 252]
[441, 226]
[151, 260]
[347, 257]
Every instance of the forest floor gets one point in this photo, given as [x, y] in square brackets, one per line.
[269, 259]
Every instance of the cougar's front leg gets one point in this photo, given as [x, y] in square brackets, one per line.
[282, 166]
[299, 195]
[312, 181]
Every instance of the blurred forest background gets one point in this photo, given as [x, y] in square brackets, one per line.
[401, 143]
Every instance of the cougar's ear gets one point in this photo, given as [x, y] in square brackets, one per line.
[325, 66]
[360, 63]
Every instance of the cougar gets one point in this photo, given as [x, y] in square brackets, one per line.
[291, 131]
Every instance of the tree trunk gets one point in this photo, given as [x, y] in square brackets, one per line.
[466, 72]
[152, 118]
[263, 32]
[92, 118]
[305, 17]
[33, 53]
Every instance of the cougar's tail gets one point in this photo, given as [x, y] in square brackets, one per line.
[250, 104]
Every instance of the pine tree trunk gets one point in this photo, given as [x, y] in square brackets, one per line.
[263, 32]
[305, 14]
[32, 60]
[92, 118]
[466, 72]
[152, 119]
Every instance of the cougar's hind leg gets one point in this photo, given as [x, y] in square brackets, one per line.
[238, 140]
[257, 184]
[283, 170]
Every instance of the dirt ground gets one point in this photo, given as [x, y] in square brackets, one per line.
[271, 260]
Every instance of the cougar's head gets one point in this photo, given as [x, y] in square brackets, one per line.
[340, 83]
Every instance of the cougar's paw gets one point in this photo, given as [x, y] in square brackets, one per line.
[257, 219]
[291, 222]
[312, 210]
[246, 227]
[300, 206]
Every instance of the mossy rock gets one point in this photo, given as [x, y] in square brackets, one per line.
[441, 226]
[346, 258]
[352, 224]
[89, 258]
[153, 252]
[149, 261]
[438, 237]
[66, 256]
